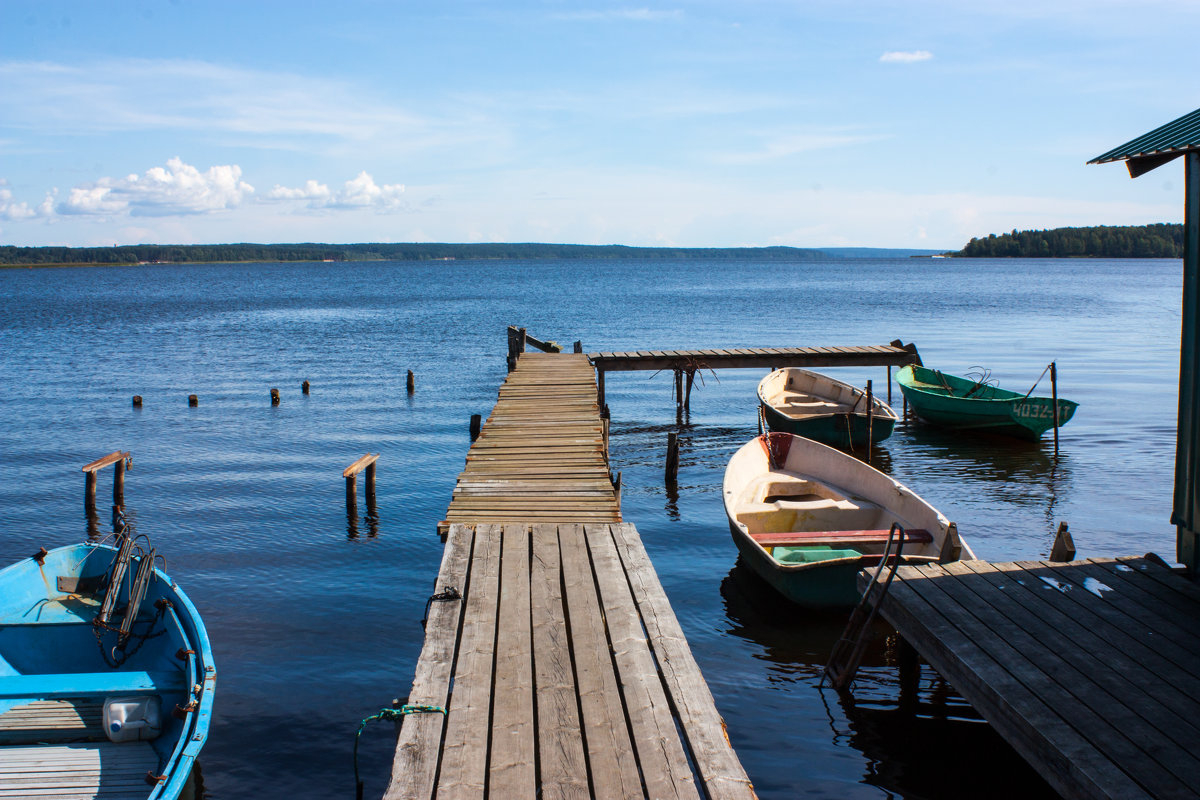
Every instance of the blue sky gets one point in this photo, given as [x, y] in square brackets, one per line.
[702, 124]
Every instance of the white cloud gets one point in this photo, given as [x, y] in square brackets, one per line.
[177, 189]
[9, 209]
[358, 192]
[905, 56]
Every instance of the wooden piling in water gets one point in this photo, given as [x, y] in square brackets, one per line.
[274, 397]
[410, 382]
[137, 401]
[1064, 546]
[578, 347]
[476, 425]
[89, 487]
[687, 392]
[304, 387]
[193, 401]
[1054, 399]
[672, 466]
[350, 473]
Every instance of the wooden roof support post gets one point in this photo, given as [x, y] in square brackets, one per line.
[1186, 507]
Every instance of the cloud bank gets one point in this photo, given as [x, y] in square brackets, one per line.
[359, 192]
[176, 189]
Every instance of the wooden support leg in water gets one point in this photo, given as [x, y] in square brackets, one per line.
[687, 392]
[678, 394]
[672, 468]
[910, 674]
[476, 426]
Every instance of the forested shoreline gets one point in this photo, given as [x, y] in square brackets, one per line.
[1162, 240]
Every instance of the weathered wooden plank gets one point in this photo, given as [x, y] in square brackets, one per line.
[722, 774]
[612, 763]
[468, 721]
[660, 754]
[1070, 764]
[563, 766]
[415, 764]
[511, 761]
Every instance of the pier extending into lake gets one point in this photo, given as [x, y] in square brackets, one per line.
[553, 664]
[1090, 669]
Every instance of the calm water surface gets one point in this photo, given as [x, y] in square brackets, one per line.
[316, 622]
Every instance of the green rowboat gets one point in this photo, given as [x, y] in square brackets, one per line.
[964, 404]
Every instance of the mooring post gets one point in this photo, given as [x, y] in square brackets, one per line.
[352, 494]
[137, 401]
[476, 425]
[1054, 399]
[870, 421]
[304, 387]
[193, 401]
[579, 347]
[411, 382]
[1064, 545]
[672, 469]
[274, 397]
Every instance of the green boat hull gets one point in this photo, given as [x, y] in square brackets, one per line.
[844, 431]
[961, 404]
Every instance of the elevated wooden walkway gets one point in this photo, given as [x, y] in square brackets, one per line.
[563, 673]
[886, 355]
[1090, 669]
[553, 665]
[542, 454]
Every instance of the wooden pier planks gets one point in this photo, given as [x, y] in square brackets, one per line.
[541, 454]
[1090, 669]
[569, 676]
[748, 358]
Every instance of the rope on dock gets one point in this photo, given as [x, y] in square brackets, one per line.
[396, 715]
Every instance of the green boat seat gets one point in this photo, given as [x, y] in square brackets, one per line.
[810, 555]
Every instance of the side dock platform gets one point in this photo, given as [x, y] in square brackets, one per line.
[556, 667]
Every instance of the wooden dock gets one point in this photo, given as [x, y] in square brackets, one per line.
[1090, 669]
[542, 454]
[895, 354]
[553, 665]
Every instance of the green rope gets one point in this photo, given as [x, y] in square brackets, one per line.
[394, 714]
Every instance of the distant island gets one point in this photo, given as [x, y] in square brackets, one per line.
[11, 256]
[1132, 241]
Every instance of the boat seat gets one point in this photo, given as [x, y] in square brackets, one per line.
[88, 684]
[800, 538]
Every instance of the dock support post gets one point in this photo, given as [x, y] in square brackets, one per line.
[476, 425]
[89, 492]
[193, 401]
[687, 394]
[578, 347]
[910, 674]
[1054, 399]
[304, 387]
[410, 382]
[600, 387]
[274, 397]
[137, 401]
[672, 468]
[116, 458]
[1064, 545]
[678, 395]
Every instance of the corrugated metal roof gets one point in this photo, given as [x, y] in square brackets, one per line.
[1172, 139]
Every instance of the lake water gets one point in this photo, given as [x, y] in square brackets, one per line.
[316, 624]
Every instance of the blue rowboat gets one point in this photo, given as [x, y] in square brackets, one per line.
[807, 517]
[964, 404]
[106, 676]
[823, 409]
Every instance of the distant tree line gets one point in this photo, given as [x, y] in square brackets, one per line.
[178, 254]
[1131, 241]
